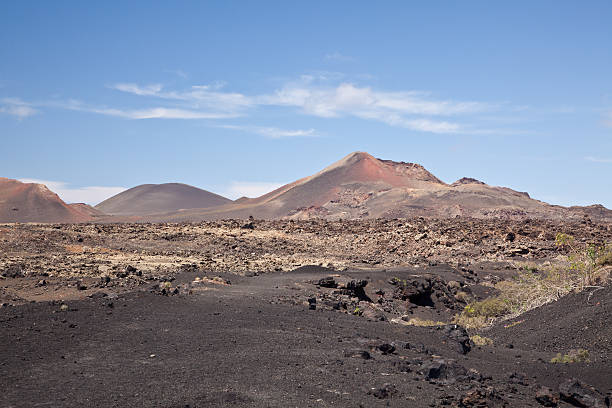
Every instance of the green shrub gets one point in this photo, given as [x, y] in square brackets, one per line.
[574, 356]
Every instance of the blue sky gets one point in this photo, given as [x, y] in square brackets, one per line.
[238, 97]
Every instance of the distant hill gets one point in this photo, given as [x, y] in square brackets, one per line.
[362, 186]
[32, 202]
[356, 187]
[159, 198]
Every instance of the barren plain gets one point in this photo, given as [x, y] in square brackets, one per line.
[400, 312]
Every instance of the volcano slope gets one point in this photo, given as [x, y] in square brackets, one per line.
[32, 202]
[159, 198]
[361, 186]
[222, 314]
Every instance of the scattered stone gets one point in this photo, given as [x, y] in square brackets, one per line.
[356, 289]
[370, 312]
[518, 251]
[327, 282]
[459, 336]
[312, 303]
[482, 398]
[419, 237]
[579, 394]
[357, 354]
[545, 397]
[13, 271]
[386, 348]
[384, 392]
[446, 371]
[419, 348]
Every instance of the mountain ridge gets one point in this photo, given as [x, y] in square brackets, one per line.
[355, 187]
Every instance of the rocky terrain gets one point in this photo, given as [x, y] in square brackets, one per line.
[298, 313]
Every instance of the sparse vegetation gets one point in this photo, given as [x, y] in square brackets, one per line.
[357, 311]
[574, 356]
[484, 312]
[415, 321]
[481, 340]
[584, 266]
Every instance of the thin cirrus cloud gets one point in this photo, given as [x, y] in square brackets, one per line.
[90, 194]
[336, 56]
[197, 97]
[597, 159]
[146, 113]
[407, 109]
[17, 108]
[273, 132]
[309, 96]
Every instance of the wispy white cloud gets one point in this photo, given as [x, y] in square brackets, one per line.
[336, 56]
[197, 97]
[90, 195]
[323, 95]
[348, 98]
[273, 132]
[412, 110]
[250, 189]
[16, 107]
[178, 72]
[148, 90]
[345, 99]
[597, 159]
[147, 113]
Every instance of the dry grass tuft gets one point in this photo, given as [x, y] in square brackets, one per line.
[481, 340]
[584, 267]
[415, 321]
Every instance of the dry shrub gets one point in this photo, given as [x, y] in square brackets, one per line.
[481, 340]
[415, 321]
[583, 268]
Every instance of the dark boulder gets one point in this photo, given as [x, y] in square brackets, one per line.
[386, 348]
[458, 336]
[546, 398]
[579, 394]
[445, 371]
[384, 392]
[327, 282]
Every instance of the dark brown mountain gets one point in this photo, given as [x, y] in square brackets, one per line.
[31, 202]
[159, 198]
